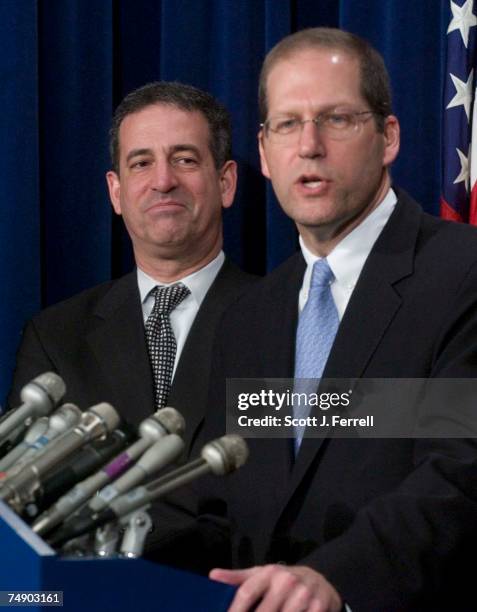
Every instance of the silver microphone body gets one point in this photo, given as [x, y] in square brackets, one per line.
[151, 430]
[39, 397]
[36, 429]
[160, 454]
[63, 419]
[95, 423]
[220, 456]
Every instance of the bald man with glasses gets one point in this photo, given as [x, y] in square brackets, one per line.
[379, 289]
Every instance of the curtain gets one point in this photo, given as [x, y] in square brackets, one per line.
[65, 65]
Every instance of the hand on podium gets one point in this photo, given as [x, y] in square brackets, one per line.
[279, 588]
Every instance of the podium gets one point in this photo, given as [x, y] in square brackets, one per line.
[27, 563]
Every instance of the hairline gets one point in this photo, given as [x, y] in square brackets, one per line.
[354, 47]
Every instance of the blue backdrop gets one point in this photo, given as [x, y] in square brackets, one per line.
[64, 66]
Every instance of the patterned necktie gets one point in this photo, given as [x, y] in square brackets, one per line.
[317, 327]
[160, 338]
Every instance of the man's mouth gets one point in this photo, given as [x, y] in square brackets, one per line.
[312, 181]
[165, 205]
[312, 184]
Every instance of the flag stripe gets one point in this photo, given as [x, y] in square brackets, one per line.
[459, 166]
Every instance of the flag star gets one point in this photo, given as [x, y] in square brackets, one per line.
[462, 19]
[463, 95]
[463, 176]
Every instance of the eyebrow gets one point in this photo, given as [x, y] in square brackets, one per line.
[175, 149]
[137, 152]
[186, 147]
[325, 109]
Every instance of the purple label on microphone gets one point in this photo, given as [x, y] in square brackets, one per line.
[118, 465]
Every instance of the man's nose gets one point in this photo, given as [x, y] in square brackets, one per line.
[164, 177]
[311, 142]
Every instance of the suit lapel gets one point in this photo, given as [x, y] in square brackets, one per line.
[280, 308]
[276, 347]
[190, 385]
[272, 459]
[372, 307]
[118, 343]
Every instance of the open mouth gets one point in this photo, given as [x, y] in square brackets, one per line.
[312, 181]
[311, 184]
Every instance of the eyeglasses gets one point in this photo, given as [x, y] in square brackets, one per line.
[336, 126]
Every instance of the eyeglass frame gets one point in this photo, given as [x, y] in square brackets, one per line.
[318, 121]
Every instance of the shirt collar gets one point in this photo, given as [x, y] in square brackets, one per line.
[347, 259]
[198, 282]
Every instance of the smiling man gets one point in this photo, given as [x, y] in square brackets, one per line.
[170, 190]
[145, 340]
[379, 289]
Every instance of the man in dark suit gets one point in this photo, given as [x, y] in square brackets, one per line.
[172, 176]
[373, 524]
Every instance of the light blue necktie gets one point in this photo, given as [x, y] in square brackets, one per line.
[317, 327]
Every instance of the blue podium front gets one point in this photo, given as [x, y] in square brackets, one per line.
[27, 563]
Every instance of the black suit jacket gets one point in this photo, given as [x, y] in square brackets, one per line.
[96, 342]
[392, 522]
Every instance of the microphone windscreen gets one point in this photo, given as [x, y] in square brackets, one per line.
[171, 419]
[225, 454]
[47, 384]
[107, 414]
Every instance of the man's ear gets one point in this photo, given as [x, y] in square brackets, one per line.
[392, 138]
[114, 187]
[228, 182]
[263, 157]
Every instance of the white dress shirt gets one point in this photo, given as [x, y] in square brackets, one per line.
[348, 257]
[184, 314]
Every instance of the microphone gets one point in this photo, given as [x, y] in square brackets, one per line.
[152, 430]
[221, 456]
[39, 397]
[64, 418]
[95, 423]
[85, 462]
[160, 454]
[15, 436]
[36, 429]
[163, 422]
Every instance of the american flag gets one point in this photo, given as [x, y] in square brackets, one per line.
[459, 151]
